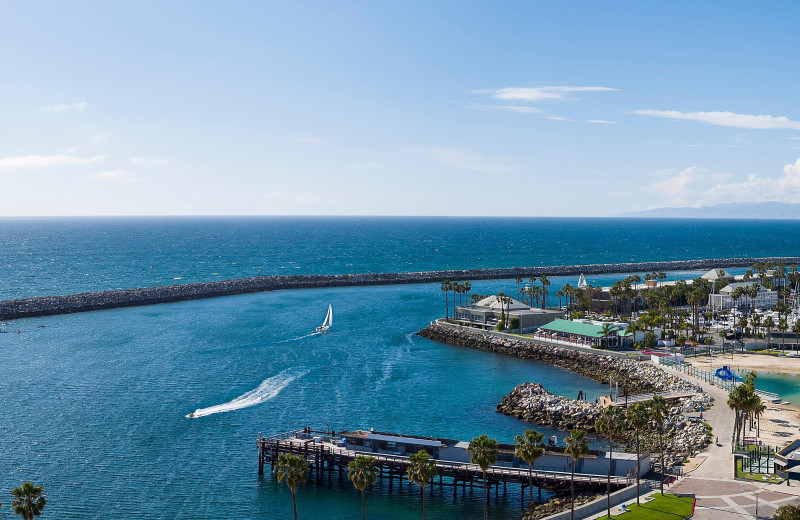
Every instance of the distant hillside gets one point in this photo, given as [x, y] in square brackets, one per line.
[765, 210]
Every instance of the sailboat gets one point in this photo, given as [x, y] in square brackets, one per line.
[328, 320]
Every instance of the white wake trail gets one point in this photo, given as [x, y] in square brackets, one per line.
[298, 337]
[268, 389]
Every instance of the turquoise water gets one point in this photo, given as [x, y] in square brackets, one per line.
[93, 405]
[785, 385]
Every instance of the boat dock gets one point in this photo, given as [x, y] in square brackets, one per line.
[327, 453]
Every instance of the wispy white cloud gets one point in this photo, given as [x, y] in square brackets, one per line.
[461, 159]
[755, 122]
[539, 94]
[41, 161]
[519, 109]
[695, 187]
[97, 139]
[601, 122]
[559, 118]
[74, 107]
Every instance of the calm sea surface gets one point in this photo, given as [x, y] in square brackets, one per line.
[93, 405]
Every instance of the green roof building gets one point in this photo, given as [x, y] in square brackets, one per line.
[589, 333]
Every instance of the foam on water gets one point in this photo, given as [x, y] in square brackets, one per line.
[268, 389]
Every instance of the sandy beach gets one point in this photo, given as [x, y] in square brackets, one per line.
[781, 422]
[757, 362]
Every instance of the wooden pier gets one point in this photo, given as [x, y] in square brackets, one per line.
[326, 455]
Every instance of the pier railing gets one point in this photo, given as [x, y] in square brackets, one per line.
[710, 377]
[305, 442]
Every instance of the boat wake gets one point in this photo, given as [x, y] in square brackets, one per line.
[299, 337]
[268, 389]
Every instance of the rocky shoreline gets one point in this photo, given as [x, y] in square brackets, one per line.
[52, 305]
[532, 402]
[633, 376]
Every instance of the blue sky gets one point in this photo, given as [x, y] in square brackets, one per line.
[396, 108]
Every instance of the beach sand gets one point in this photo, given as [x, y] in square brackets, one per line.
[781, 422]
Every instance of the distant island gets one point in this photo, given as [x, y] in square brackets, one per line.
[746, 210]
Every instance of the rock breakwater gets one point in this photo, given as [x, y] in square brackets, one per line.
[633, 376]
[52, 305]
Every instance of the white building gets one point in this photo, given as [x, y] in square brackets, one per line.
[765, 299]
[486, 313]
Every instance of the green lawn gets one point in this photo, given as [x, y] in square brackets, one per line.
[661, 507]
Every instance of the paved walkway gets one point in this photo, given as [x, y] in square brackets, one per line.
[718, 461]
[718, 498]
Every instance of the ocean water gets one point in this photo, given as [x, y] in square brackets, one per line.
[61, 256]
[93, 406]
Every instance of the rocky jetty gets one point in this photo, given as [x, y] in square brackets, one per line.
[682, 436]
[51, 305]
[635, 377]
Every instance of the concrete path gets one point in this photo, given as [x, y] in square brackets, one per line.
[718, 498]
[719, 458]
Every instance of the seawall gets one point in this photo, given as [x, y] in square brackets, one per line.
[52, 305]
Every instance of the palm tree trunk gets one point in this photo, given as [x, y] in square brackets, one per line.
[608, 476]
[294, 505]
[530, 484]
[572, 493]
[638, 467]
[363, 506]
[485, 498]
[661, 445]
[424, 509]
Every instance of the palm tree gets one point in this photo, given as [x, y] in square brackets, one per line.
[755, 322]
[606, 331]
[769, 324]
[610, 423]
[659, 411]
[631, 331]
[545, 290]
[783, 326]
[796, 332]
[637, 418]
[577, 447]
[483, 453]
[293, 469]
[421, 471]
[529, 448]
[28, 500]
[445, 287]
[362, 473]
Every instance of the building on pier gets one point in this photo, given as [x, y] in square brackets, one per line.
[554, 458]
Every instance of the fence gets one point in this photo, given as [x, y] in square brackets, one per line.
[710, 377]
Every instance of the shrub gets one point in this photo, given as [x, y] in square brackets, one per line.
[514, 323]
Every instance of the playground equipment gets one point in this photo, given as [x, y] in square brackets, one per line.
[725, 374]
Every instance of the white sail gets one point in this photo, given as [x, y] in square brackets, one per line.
[328, 320]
